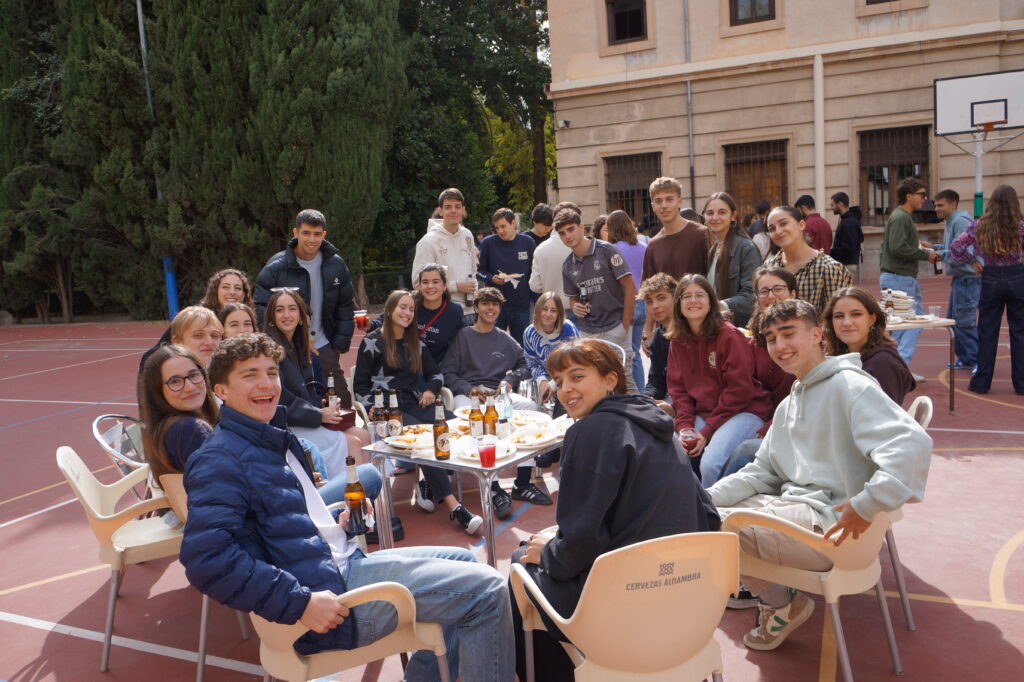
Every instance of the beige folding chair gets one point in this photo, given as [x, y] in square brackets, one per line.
[855, 569]
[124, 537]
[174, 488]
[356, 405]
[277, 651]
[648, 611]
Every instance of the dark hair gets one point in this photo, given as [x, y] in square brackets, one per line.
[588, 353]
[594, 229]
[565, 204]
[559, 306]
[659, 281]
[210, 299]
[723, 248]
[679, 327]
[566, 216]
[998, 227]
[907, 187]
[413, 356]
[691, 215]
[763, 206]
[506, 213]
[793, 309]
[158, 415]
[948, 195]
[223, 313]
[440, 270]
[299, 347]
[786, 276]
[542, 214]
[877, 335]
[311, 217]
[488, 294]
[841, 198]
[620, 228]
[805, 200]
[239, 349]
[450, 193]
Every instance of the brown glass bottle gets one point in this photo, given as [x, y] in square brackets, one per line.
[394, 416]
[332, 396]
[490, 418]
[442, 439]
[354, 497]
[476, 418]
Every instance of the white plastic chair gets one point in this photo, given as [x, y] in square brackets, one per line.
[855, 569]
[279, 658]
[648, 611]
[124, 537]
[174, 488]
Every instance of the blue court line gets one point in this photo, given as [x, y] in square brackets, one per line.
[505, 524]
[73, 409]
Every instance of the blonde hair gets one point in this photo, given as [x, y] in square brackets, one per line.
[191, 315]
[666, 185]
[559, 306]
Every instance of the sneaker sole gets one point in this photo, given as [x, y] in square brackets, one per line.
[741, 604]
[795, 622]
[473, 526]
[426, 505]
[540, 503]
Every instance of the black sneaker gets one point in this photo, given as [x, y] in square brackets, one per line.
[548, 458]
[532, 494]
[469, 521]
[422, 496]
[501, 502]
[397, 532]
[743, 599]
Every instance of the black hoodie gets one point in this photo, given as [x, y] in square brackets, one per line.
[846, 246]
[625, 479]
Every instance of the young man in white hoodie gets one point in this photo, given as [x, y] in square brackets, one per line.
[838, 452]
[448, 243]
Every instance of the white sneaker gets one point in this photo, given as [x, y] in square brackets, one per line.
[775, 625]
[918, 378]
[421, 497]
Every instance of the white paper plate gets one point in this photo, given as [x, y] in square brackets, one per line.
[531, 437]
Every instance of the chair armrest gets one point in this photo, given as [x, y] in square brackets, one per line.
[128, 482]
[394, 593]
[738, 520]
[521, 580]
[447, 398]
[104, 527]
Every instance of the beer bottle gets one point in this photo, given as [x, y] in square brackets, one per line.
[332, 397]
[354, 496]
[378, 416]
[442, 441]
[584, 299]
[476, 417]
[490, 418]
[394, 416]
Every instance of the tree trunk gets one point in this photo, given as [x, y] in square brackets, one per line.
[540, 166]
[361, 299]
[43, 308]
[63, 286]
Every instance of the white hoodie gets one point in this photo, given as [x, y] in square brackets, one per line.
[836, 437]
[547, 267]
[456, 252]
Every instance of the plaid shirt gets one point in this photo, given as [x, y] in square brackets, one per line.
[817, 280]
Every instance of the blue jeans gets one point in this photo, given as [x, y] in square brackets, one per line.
[906, 341]
[1000, 287]
[964, 293]
[639, 317]
[742, 456]
[334, 490]
[468, 599]
[515, 320]
[723, 443]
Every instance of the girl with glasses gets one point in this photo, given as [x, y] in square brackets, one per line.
[711, 379]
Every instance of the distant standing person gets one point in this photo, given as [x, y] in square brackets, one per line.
[622, 234]
[997, 238]
[849, 235]
[548, 257]
[758, 229]
[313, 265]
[901, 252]
[541, 218]
[450, 244]
[599, 285]
[816, 227]
[965, 288]
[508, 253]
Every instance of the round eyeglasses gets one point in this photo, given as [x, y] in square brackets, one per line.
[176, 383]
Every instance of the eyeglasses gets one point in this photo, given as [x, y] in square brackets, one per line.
[176, 383]
[778, 290]
[699, 296]
[921, 193]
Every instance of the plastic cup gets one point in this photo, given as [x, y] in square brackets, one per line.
[689, 438]
[935, 311]
[361, 320]
[487, 447]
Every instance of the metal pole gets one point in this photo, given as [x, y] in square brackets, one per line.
[819, 128]
[689, 103]
[979, 152]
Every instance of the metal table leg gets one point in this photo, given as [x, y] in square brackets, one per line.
[384, 508]
[952, 369]
[485, 478]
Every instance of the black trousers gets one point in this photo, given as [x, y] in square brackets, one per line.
[1001, 288]
[550, 662]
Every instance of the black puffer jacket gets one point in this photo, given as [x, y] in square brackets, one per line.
[283, 270]
[849, 235]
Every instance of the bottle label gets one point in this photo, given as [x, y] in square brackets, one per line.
[442, 443]
[394, 427]
[476, 428]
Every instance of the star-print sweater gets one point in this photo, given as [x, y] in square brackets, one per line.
[373, 372]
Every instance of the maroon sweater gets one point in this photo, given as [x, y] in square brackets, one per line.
[772, 377]
[714, 378]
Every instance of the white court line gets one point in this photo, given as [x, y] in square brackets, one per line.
[64, 402]
[54, 369]
[138, 645]
[64, 350]
[1009, 433]
[87, 338]
[36, 513]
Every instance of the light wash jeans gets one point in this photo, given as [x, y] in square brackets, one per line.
[468, 599]
[623, 339]
[639, 318]
[723, 443]
[964, 294]
[906, 341]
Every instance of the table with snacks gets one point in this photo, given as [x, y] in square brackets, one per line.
[931, 322]
[532, 434]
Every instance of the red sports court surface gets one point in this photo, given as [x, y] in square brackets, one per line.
[961, 548]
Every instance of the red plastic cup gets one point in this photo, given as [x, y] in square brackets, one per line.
[487, 446]
[689, 438]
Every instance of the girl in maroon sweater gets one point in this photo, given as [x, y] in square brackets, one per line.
[711, 378]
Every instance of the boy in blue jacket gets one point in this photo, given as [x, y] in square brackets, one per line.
[259, 538]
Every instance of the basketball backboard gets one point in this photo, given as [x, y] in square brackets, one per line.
[963, 104]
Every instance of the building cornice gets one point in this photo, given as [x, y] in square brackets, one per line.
[981, 32]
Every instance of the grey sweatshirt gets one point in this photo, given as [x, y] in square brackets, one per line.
[475, 359]
[836, 437]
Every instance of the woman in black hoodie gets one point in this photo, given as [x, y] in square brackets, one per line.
[624, 479]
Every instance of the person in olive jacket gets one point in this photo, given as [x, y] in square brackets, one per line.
[312, 265]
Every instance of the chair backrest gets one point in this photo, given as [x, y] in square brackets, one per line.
[173, 486]
[122, 440]
[653, 605]
[94, 496]
[921, 410]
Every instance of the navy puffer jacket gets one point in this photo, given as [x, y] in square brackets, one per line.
[249, 542]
